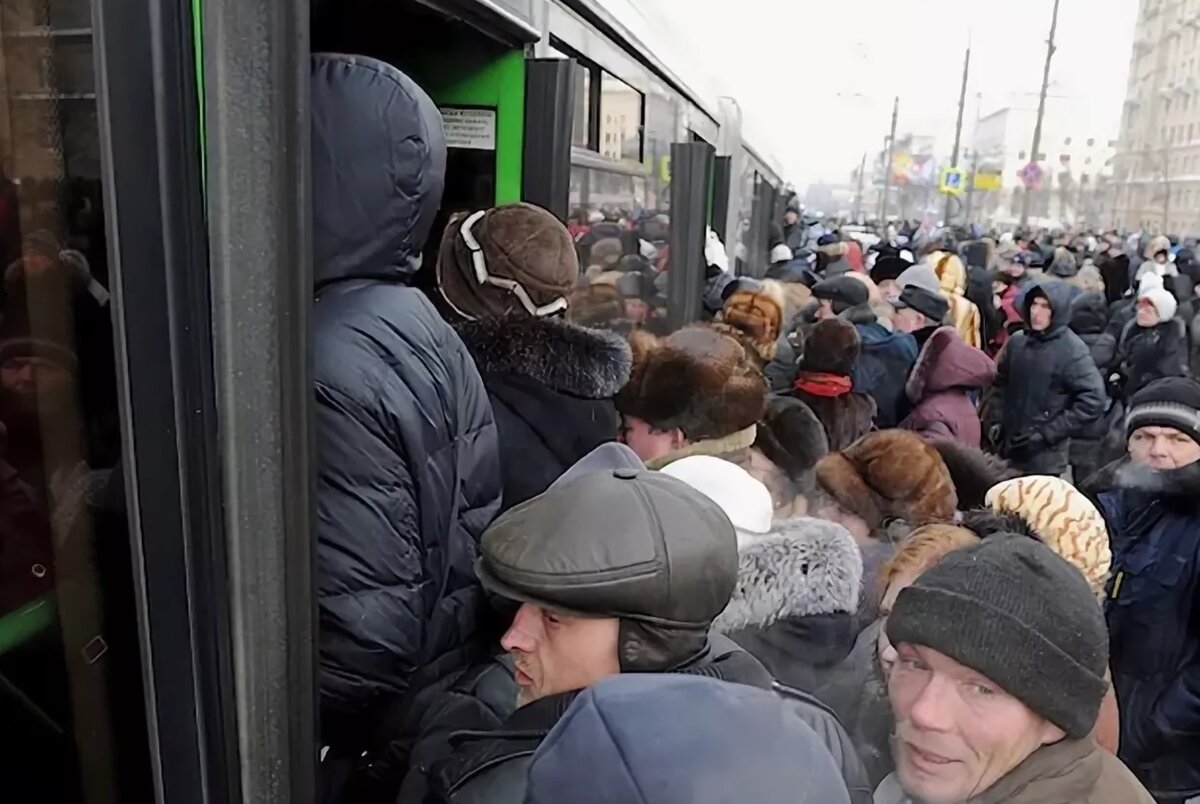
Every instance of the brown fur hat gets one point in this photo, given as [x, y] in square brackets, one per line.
[891, 473]
[597, 305]
[697, 380]
[832, 346]
[757, 314]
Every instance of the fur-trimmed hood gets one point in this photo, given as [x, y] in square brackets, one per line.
[805, 567]
[587, 363]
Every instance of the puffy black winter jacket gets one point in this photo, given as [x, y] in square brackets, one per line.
[407, 469]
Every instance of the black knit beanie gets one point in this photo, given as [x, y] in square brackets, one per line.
[1170, 402]
[1014, 610]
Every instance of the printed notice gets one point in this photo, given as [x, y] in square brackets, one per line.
[473, 129]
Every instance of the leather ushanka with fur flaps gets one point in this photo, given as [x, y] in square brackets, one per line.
[793, 607]
[551, 385]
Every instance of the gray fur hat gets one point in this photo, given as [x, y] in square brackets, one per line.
[804, 567]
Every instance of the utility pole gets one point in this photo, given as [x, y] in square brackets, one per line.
[1041, 112]
[858, 196]
[887, 167]
[971, 182]
[962, 102]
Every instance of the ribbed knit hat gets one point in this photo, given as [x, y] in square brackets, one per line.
[1014, 610]
[1169, 402]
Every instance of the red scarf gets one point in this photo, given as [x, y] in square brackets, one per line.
[822, 383]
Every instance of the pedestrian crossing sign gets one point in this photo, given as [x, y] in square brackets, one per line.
[953, 181]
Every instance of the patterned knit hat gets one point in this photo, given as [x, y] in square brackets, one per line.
[1064, 518]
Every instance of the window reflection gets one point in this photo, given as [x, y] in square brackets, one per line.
[620, 120]
[71, 724]
[624, 248]
[581, 116]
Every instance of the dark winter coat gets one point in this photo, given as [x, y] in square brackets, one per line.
[1046, 386]
[551, 386]
[857, 692]
[793, 607]
[1153, 611]
[1116, 272]
[1146, 354]
[940, 388]
[406, 447]
[1092, 444]
[472, 757]
[883, 367]
[846, 418]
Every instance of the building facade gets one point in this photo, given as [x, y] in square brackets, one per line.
[1075, 153]
[1157, 173]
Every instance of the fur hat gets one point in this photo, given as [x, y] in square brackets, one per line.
[805, 567]
[696, 380]
[517, 243]
[889, 268]
[832, 347]
[1065, 520]
[792, 437]
[973, 471]
[597, 305]
[891, 473]
[756, 312]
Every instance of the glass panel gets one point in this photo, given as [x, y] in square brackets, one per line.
[71, 704]
[624, 248]
[620, 120]
[582, 113]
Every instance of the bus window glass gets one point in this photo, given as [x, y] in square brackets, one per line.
[581, 115]
[71, 701]
[620, 120]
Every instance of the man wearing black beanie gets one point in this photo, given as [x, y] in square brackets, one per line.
[1002, 653]
[1151, 501]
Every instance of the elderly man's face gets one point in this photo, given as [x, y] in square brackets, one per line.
[1163, 448]
[957, 733]
[555, 652]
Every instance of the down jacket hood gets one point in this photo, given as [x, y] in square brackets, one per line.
[1058, 293]
[580, 362]
[947, 362]
[378, 161]
[804, 567]
[1089, 314]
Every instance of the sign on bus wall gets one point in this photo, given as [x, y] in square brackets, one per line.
[470, 128]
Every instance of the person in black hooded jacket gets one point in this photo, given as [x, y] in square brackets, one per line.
[551, 383]
[408, 475]
[1089, 446]
[1046, 386]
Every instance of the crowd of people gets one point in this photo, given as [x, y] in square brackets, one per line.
[913, 525]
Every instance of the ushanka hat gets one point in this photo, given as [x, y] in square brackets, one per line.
[517, 259]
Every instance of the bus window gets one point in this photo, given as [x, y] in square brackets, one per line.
[71, 701]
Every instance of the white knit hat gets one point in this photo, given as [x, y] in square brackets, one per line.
[744, 500]
[781, 253]
[1164, 302]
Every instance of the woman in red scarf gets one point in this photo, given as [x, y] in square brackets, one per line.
[824, 384]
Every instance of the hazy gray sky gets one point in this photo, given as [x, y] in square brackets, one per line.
[816, 79]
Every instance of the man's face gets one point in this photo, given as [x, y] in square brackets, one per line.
[647, 442]
[825, 310]
[889, 289]
[1040, 314]
[907, 319]
[957, 733]
[1162, 448]
[556, 652]
[26, 375]
[790, 217]
[1147, 314]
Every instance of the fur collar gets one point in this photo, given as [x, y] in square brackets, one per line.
[804, 567]
[734, 442]
[587, 363]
